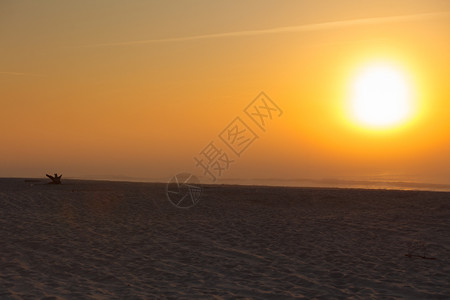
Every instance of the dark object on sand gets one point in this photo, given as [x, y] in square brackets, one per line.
[424, 257]
[418, 249]
[55, 179]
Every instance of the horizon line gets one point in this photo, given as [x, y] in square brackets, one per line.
[324, 182]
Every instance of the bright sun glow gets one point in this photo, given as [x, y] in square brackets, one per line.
[381, 96]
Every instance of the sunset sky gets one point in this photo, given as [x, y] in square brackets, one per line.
[121, 89]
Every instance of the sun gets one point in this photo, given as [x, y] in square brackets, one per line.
[381, 96]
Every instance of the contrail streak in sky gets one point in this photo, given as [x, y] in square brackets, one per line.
[21, 74]
[300, 28]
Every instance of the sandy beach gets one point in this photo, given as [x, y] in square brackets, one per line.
[118, 240]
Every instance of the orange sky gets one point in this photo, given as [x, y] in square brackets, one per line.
[138, 88]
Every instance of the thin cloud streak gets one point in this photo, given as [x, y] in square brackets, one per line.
[21, 74]
[300, 28]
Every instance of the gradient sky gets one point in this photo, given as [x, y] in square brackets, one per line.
[110, 89]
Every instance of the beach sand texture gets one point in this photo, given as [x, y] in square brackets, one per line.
[118, 240]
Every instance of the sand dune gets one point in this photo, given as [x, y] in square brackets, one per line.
[114, 240]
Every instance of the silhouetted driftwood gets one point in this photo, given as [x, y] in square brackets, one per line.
[55, 179]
